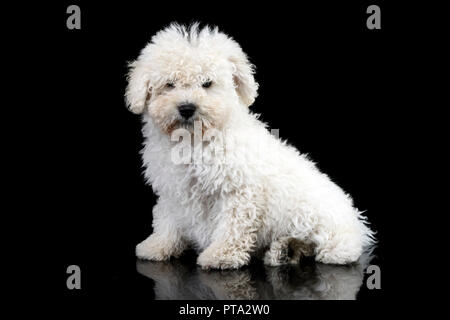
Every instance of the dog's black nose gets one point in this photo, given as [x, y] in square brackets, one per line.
[187, 110]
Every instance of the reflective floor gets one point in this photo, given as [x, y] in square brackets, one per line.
[182, 279]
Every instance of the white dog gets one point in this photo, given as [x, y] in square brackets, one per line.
[262, 197]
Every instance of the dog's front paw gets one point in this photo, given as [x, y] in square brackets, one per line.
[153, 248]
[222, 259]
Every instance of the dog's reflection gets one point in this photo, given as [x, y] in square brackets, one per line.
[178, 280]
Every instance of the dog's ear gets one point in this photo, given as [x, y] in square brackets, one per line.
[138, 90]
[244, 81]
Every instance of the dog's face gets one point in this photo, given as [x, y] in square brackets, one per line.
[184, 75]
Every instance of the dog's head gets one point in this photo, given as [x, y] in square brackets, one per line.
[185, 74]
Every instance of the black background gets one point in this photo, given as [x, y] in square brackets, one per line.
[326, 81]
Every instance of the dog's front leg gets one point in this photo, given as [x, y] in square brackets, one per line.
[166, 240]
[159, 247]
[234, 239]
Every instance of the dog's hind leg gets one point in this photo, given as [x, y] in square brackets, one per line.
[345, 249]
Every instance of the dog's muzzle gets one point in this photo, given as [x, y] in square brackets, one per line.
[187, 110]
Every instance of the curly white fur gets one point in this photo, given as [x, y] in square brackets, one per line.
[264, 195]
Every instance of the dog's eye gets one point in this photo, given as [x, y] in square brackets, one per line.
[207, 84]
[170, 85]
